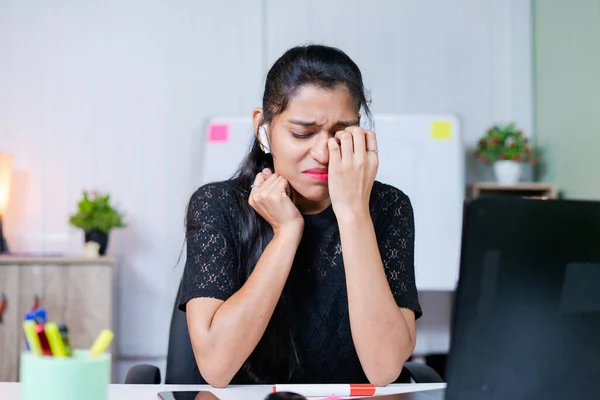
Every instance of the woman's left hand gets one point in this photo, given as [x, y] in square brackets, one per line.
[353, 166]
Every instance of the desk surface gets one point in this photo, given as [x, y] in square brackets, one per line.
[10, 391]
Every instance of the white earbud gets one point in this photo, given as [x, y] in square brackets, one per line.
[262, 138]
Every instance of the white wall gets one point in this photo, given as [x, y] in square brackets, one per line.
[112, 96]
[470, 57]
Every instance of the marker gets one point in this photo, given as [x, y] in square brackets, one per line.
[56, 343]
[30, 316]
[38, 315]
[324, 390]
[39, 329]
[64, 335]
[33, 341]
[101, 342]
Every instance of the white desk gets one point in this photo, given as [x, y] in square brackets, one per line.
[10, 391]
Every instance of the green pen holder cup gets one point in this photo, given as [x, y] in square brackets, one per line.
[80, 377]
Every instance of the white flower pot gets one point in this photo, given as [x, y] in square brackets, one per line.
[508, 172]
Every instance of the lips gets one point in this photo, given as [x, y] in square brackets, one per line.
[320, 174]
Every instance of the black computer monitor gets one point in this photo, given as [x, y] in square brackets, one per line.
[526, 320]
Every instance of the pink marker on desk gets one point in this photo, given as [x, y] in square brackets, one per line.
[324, 390]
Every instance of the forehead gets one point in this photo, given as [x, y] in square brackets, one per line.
[322, 105]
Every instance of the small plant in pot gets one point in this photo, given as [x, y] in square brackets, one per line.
[96, 216]
[506, 149]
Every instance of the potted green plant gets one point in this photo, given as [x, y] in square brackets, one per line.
[96, 216]
[506, 149]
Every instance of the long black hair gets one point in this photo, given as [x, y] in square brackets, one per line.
[275, 358]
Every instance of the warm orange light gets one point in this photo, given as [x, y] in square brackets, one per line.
[6, 165]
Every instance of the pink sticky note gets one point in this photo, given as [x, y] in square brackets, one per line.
[218, 133]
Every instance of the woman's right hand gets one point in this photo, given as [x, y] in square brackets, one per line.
[270, 197]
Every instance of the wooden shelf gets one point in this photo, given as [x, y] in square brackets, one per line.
[26, 259]
[535, 190]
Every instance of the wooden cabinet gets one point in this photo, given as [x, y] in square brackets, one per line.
[9, 334]
[76, 291]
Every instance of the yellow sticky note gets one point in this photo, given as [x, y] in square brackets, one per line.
[441, 130]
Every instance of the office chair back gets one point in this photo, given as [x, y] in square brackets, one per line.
[181, 368]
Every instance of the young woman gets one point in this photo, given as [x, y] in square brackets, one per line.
[300, 268]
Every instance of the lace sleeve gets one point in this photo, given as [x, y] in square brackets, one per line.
[396, 238]
[211, 261]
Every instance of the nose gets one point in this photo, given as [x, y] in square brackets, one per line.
[319, 151]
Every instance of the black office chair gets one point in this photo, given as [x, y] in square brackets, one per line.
[181, 368]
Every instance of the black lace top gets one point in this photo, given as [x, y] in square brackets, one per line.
[320, 301]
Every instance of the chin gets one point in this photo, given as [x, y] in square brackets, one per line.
[314, 193]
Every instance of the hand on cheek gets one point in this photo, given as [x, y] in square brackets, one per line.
[352, 169]
[270, 197]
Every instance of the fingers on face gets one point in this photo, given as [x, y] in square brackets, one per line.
[267, 184]
[356, 141]
[371, 141]
[346, 144]
[280, 187]
[334, 151]
[259, 180]
[360, 146]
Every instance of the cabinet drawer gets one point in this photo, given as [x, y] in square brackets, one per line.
[43, 286]
[89, 303]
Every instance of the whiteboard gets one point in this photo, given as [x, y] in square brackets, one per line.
[422, 155]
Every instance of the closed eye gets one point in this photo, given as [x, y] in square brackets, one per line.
[301, 136]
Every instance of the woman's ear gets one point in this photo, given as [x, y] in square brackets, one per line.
[257, 119]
